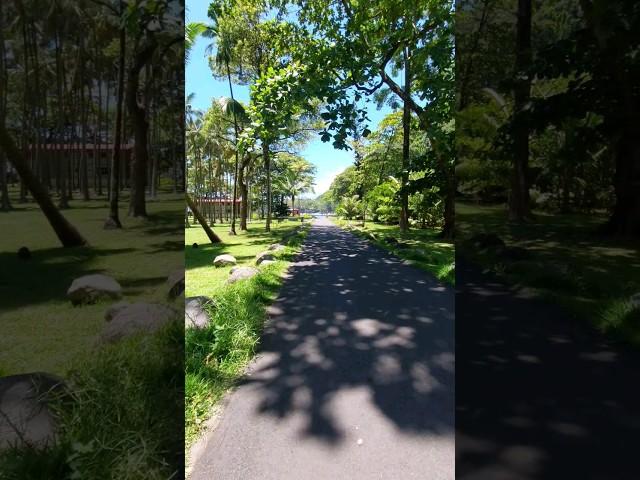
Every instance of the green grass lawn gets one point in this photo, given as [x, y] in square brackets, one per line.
[591, 275]
[202, 278]
[127, 398]
[41, 330]
[422, 247]
[217, 355]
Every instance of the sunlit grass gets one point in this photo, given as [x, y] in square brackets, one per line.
[202, 278]
[216, 356]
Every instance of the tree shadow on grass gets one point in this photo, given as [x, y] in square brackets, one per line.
[47, 274]
[167, 246]
[351, 316]
[140, 285]
[203, 255]
[164, 222]
[566, 258]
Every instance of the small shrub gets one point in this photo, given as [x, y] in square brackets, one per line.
[622, 319]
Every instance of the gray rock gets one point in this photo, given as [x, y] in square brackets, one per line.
[25, 416]
[635, 300]
[195, 316]
[114, 309]
[263, 256]
[224, 260]
[175, 282]
[241, 273]
[276, 247]
[267, 262]
[136, 318]
[91, 288]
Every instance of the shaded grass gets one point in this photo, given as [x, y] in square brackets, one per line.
[421, 247]
[216, 356]
[120, 418]
[41, 330]
[590, 275]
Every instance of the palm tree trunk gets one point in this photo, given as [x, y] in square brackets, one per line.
[235, 176]
[67, 234]
[113, 220]
[267, 166]
[406, 132]
[202, 221]
[242, 184]
[5, 201]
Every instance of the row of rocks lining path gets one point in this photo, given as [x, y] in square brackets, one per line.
[355, 378]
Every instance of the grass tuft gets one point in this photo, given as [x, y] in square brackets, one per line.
[119, 418]
[621, 318]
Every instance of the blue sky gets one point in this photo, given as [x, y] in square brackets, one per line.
[328, 161]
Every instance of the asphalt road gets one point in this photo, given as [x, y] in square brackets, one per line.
[539, 395]
[355, 379]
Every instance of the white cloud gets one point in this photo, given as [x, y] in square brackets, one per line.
[323, 182]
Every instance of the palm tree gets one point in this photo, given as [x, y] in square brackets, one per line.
[349, 207]
[234, 109]
[294, 182]
[113, 220]
[192, 31]
[223, 57]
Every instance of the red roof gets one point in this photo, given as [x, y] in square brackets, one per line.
[88, 146]
[217, 200]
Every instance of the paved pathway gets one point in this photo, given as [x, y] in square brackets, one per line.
[355, 379]
[539, 395]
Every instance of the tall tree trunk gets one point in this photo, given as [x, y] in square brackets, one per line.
[5, 201]
[113, 220]
[202, 221]
[625, 219]
[519, 208]
[67, 234]
[406, 139]
[235, 175]
[448, 229]
[242, 184]
[137, 202]
[62, 156]
[84, 167]
[267, 166]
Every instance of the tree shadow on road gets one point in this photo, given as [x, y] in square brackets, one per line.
[540, 394]
[351, 316]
